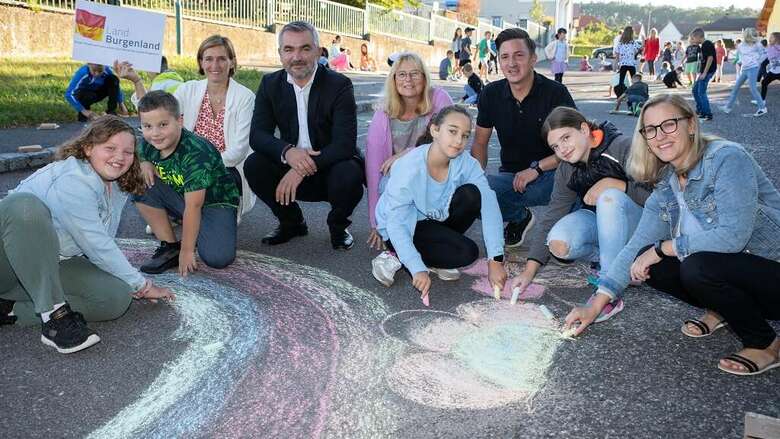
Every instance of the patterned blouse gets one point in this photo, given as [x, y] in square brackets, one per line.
[211, 126]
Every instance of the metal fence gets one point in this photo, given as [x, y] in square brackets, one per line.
[324, 15]
[397, 24]
[424, 24]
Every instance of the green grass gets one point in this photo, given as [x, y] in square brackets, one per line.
[32, 90]
[584, 50]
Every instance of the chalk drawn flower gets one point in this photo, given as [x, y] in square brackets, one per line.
[487, 354]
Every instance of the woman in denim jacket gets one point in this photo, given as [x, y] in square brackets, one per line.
[712, 207]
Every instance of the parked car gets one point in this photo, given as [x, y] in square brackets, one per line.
[607, 51]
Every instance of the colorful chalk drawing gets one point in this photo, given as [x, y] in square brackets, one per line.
[487, 354]
[277, 349]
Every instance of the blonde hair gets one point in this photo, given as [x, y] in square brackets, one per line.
[644, 166]
[393, 104]
[99, 131]
[749, 35]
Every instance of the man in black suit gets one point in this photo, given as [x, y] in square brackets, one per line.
[316, 157]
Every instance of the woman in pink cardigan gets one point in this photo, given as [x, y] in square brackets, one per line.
[402, 117]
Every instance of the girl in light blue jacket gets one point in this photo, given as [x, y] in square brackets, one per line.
[58, 258]
[433, 195]
[709, 235]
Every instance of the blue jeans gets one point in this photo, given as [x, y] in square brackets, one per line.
[700, 94]
[750, 75]
[471, 95]
[513, 203]
[598, 236]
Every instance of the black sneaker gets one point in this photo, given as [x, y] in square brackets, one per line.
[285, 232]
[6, 306]
[341, 240]
[67, 331]
[165, 257]
[514, 233]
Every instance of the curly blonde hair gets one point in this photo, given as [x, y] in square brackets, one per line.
[99, 131]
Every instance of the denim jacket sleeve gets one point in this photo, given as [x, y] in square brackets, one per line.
[651, 228]
[732, 204]
[77, 211]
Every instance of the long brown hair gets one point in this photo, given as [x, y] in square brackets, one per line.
[99, 131]
[628, 35]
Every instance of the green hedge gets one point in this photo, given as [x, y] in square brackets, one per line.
[583, 50]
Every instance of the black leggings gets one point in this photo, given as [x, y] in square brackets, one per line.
[623, 70]
[768, 78]
[441, 243]
[651, 68]
[741, 287]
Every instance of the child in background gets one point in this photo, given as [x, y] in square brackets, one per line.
[672, 79]
[720, 56]
[57, 228]
[473, 87]
[446, 66]
[585, 65]
[167, 79]
[186, 179]
[434, 194]
[773, 68]
[636, 95]
[667, 55]
[605, 65]
[613, 84]
[558, 52]
[750, 55]
[484, 51]
[663, 70]
[679, 55]
[692, 62]
[736, 58]
[367, 63]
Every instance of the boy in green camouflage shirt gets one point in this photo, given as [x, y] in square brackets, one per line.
[186, 179]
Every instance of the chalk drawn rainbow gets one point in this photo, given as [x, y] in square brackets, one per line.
[278, 349]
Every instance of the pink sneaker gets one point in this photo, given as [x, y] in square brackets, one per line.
[609, 310]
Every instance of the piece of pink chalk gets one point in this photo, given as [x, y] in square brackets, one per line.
[426, 299]
[482, 286]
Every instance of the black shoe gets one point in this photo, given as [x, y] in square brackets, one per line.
[514, 233]
[341, 240]
[67, 331]
[285, 232]
[6, 307]
[165, 257]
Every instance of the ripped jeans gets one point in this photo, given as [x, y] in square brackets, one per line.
[600, 235]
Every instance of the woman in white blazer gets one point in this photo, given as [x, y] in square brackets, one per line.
[220, 109]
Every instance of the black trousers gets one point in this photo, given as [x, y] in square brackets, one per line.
[651, 67]
[341, 185]
[743, 288]
[768, 78]
[626, 69]
[441, 243]
[109, 89]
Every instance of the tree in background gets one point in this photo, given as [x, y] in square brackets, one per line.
[389, 4]
[537, 11]
[619, 14]
[595, 34]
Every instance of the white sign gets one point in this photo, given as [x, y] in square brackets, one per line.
[104, 33]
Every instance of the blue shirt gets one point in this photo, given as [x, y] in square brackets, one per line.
[412, 195]
[444, 68]
[84, 80]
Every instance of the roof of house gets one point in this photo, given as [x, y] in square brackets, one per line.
[683, 28]
[730, 24]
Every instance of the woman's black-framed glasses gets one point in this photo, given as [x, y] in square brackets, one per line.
[668, 126]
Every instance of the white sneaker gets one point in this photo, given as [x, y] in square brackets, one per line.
[149, 230]
[384, 267]
[446, 274]
[760, 112]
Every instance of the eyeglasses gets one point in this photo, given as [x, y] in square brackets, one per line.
[668, 126]
[412, 76]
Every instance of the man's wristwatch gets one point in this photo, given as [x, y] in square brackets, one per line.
[499, 258]
[535, 166]
[658, 249]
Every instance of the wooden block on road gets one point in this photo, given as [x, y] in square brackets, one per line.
[30, 148]
[761, 426]
[48, 126]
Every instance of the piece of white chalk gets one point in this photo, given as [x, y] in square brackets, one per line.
[547, 313]
[497, 292]
[515, 295]
[569, 333]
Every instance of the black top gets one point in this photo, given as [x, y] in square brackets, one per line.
[465, 48]
[475, 83]
[519, 124]
[332, 117]
[692, 53]
[708, 50]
